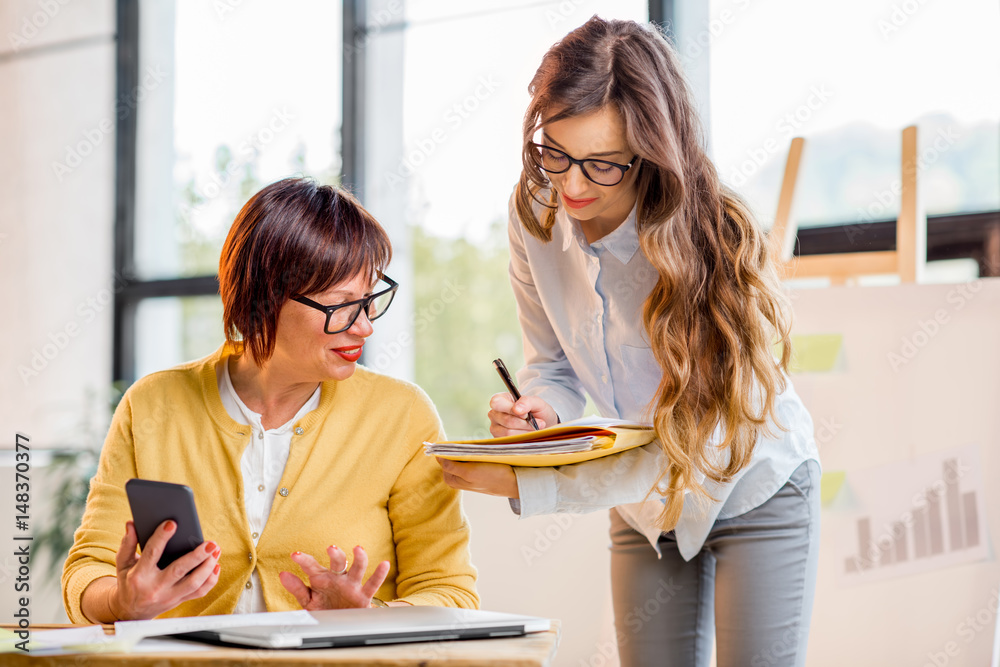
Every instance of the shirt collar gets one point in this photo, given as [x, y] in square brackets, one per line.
[622, 243]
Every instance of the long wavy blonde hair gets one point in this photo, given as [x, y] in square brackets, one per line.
[717, 308]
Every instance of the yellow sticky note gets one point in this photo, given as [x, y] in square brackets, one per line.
[815, 353]
[830, 485]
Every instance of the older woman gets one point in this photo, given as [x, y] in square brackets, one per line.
[294, 453]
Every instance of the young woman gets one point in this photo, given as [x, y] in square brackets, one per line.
[294, 453]
[644, 282]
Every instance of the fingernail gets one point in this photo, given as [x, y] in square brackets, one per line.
[217, 552]
[171, 526]
[334, 546]
[215, 570]
[210, 547]
[296, 553]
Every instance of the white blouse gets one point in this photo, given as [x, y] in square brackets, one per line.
[262, 466]
[580, 310]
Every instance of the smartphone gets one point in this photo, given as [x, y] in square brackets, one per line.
[153, 503]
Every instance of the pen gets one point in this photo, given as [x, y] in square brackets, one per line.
[509, 383]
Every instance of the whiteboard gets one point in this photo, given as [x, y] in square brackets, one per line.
[917, 377]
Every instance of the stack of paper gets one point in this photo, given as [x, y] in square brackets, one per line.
[572, 442]
[63, 641]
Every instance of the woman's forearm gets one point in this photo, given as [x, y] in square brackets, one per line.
[98, 599]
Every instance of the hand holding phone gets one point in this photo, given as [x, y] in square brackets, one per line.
[153, 503]
[165, 525]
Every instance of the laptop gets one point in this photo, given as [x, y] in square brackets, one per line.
[385, 625]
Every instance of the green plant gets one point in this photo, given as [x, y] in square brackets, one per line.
[71, 470]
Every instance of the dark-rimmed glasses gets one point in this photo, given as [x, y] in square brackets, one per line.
[341, 317]
[602, 172]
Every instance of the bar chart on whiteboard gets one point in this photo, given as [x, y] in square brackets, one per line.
[913, 516]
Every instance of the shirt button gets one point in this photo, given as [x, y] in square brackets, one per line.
[254, 536]
[604, 379]
[260, 436]
[249, 585]
[250, 558]
[260, 487]
[283, 492]
[299, 430]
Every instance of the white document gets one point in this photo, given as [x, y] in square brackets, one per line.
[88, 639]
[64, 636]
[567, 446]
[171, 626]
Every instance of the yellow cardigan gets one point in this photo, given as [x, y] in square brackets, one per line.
[356, 475]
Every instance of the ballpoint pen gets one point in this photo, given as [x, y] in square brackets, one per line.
[509, 383]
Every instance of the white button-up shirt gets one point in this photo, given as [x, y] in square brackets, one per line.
[262, 466]
[580, 309]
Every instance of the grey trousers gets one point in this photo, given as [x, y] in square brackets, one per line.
[750, 588]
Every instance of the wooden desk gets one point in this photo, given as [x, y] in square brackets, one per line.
[534, 650]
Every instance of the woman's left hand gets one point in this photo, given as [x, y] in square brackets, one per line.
[337, 587]
[495, 479]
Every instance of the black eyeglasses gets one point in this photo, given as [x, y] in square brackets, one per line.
[342, 316]
[602, 172]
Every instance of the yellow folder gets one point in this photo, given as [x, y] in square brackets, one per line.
[610, 440]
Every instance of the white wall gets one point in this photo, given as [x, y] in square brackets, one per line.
[555, 566]
[57, 74]
[56, 216]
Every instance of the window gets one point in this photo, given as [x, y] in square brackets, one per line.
[460, 160]
[232, 96]
[850, 89]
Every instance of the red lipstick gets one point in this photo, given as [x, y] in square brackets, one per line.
[351, 353]
[578, 203]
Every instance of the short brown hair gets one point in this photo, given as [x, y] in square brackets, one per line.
[292, 237]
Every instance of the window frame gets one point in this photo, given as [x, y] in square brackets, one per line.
[131, 290]
[975, 235]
